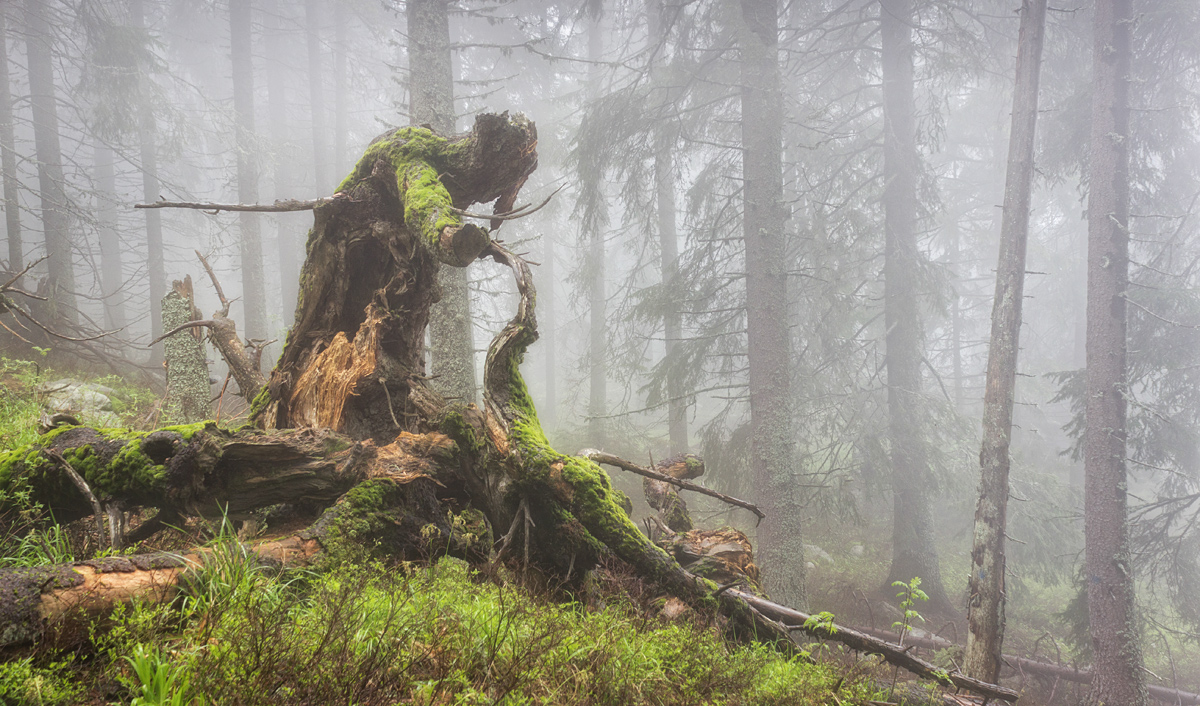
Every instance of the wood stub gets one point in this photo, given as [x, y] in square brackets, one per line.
[460, 246]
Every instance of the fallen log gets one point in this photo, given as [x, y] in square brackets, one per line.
[201, 469]
[861, 642]
[1037, 667]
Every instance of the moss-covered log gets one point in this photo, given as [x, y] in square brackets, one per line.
[200, 469]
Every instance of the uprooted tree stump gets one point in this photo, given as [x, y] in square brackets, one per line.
[348, 421]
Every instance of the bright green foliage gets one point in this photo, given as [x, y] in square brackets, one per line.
[909, 594]
[368, 635]
[23, 684]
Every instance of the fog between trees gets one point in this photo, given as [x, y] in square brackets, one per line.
[775, 246]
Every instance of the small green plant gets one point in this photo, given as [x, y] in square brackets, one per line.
[159, 682]
[821, 622]
[909, 594]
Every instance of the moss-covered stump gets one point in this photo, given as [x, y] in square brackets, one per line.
[200, 469]
[662, 496]
[355, 353]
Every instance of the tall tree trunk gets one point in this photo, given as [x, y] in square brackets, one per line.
[593, 234]
[985, 584]
[664, 187]
[780, 547]
[253, 294]
[431, 102]
[156, 270]
[913, 550]
[288, 241]
[549, 335]
[341, 81]
[8, 156]
[39, 43]
[316, 97]
[112, 277]
[1117, 657]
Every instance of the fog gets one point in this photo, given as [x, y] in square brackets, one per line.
[652, 288]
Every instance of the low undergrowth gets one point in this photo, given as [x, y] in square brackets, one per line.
[441, 634]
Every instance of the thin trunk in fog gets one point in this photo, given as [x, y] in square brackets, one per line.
[316, 98]
[39, 44]
[8, 156]
[156, 270]
[985, 583]
[956, 317]
[780, 546]
[594, 237]
[341, 92]
[1113, 623]
[913, 550]
[112, 277]
[548, 324]
[253, 294]
[664, 187]
[289, 242]
[431, 102]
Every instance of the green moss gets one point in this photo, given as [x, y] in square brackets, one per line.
[455, 426]
[417, 155]
[263, 398]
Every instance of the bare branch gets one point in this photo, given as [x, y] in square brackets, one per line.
[280, 205]
[510, 215]
[611, 460]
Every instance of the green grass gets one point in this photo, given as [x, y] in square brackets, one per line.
[439, 635]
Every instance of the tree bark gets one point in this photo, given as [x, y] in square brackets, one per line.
[913, 550]
[431, 103]
[8, 158]
[779, 540]
[51, 184]
[986, 582]
[112, 278]
[188, 389]
[156, 271]
[250, 246]
[1117, 677]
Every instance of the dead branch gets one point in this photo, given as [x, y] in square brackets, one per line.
[617, 461]
[97, 510]
[1065, 672]
[280, 205]
[861, 642]
[512, 215]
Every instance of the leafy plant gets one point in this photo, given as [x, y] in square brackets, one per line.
[909, 594]
[160, 682]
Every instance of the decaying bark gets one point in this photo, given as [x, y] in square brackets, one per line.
[187, 371]
[354, 354]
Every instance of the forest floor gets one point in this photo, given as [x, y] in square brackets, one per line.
[354, 631]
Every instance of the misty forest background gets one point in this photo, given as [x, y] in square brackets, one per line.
[644, 305]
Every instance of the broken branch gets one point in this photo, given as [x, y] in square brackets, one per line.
[617, 461]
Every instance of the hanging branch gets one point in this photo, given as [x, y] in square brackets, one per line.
[512, 215]
[280, 205]
[617, 461]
